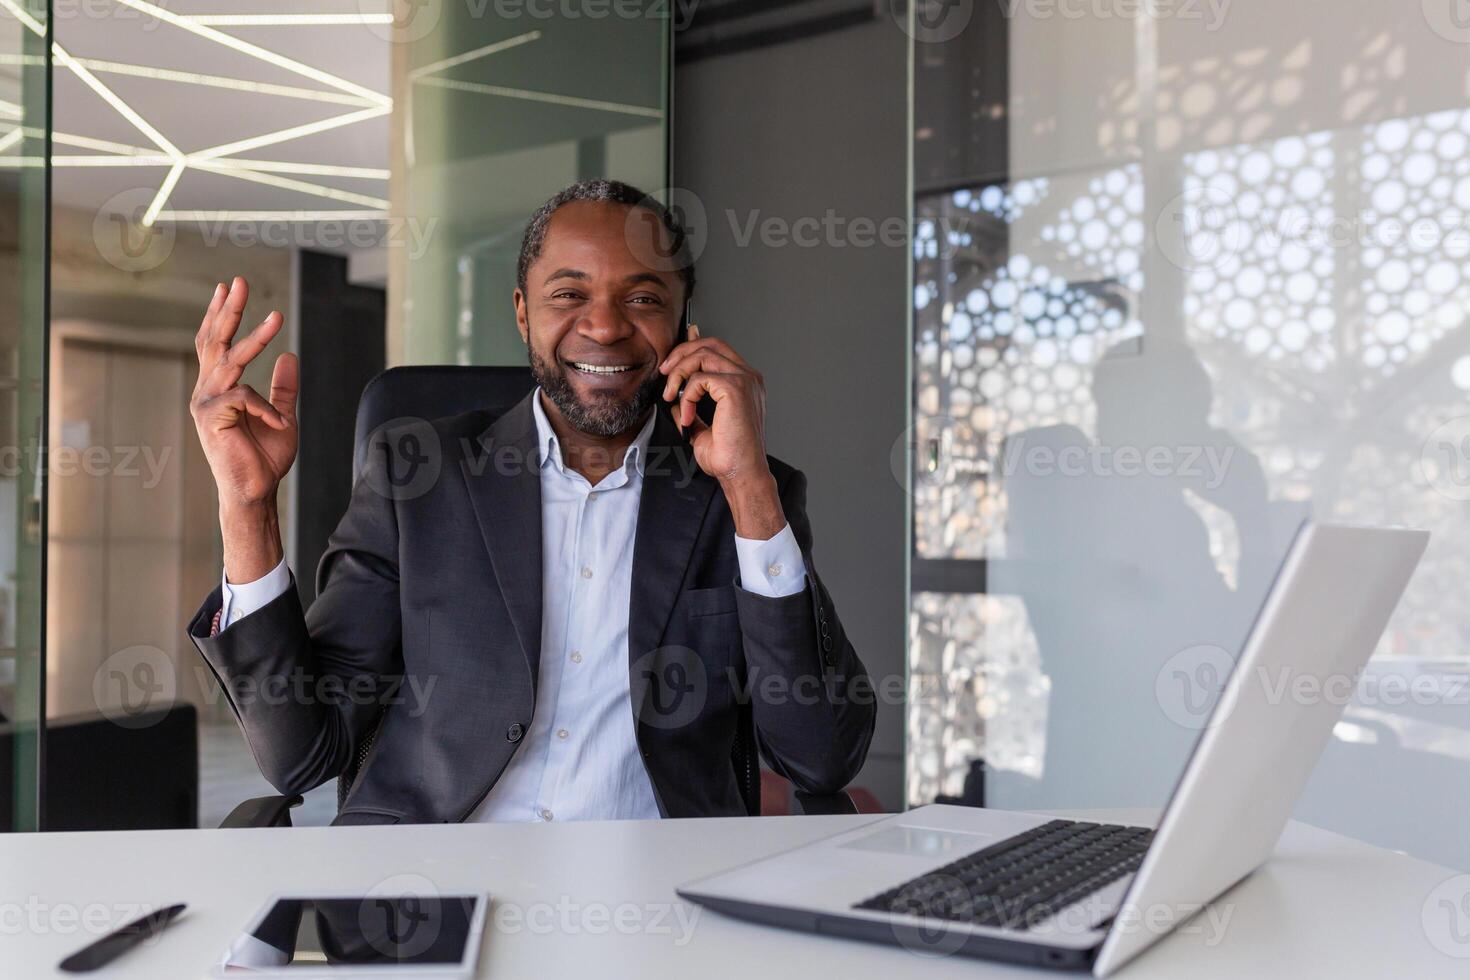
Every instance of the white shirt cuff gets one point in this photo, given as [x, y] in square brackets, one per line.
[243, 599]
[771, 568]
[248, 953]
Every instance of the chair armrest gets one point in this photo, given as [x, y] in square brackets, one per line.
[263, 811]
[825, 804]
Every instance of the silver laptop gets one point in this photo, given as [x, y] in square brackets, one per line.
[1029, 888]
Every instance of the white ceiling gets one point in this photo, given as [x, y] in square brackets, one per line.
[120, 45]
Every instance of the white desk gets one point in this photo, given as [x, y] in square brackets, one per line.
[1326, 906]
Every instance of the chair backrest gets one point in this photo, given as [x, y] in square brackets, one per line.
[425, 391]
[433, 391]
[436, 391]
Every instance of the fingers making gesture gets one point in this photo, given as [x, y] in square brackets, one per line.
[250, 440]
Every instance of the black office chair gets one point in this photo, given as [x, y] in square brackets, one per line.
[430, 392]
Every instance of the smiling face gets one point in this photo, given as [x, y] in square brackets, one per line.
[596, 320]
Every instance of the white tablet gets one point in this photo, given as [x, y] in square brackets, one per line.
[372, 935]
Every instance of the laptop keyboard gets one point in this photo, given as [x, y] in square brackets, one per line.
[1023, 880]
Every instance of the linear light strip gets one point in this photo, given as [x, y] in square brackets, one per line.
[60, 55]
[67, 139]
[287, 20]
[319, 169]
[222, 81]
[107, 160]
[531, 96]
[123, 155]
[207, 159]
[10, 139]
[107, 146]
[179, 216]
[196, 78]
[164, 190]
[256, 51]
[286, 183]
[147, 159]
[295, 132]
[112, 99]
[459, 59]
[24, 16]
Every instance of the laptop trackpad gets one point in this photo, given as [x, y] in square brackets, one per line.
[920, 841]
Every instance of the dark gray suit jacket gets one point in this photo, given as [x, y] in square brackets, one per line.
[428, 616]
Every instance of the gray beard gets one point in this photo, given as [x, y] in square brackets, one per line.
[606, 416]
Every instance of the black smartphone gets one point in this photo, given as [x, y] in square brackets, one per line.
[683, 325]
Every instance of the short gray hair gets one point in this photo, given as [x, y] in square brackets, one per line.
[604, 192]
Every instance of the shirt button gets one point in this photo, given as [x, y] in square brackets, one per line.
[586, 572]
[562, 733]
[576, 656]
[774, 570]
[544, 813]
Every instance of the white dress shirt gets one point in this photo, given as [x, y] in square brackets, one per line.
[580, 758]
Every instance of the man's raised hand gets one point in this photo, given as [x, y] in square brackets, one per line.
[249, 440]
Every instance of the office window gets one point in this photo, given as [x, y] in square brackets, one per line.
[1239, 246]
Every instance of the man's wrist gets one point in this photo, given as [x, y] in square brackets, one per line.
[252, 540]
[755, 505]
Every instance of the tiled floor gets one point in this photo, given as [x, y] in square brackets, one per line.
[228, 775]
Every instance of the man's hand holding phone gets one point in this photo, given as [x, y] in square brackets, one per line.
[249, 440]
[732, 447]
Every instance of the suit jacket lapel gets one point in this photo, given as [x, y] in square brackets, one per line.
[676, 494]
[505, 490]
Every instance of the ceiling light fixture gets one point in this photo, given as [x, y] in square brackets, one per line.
[112, 99]
[256, 51]
[319, 169]
[532, 96]
[216, 159]
[295, 132]
[222, 81]
[459, 59]
[164, 190]
[180, 216]
[286, 183]
[106, 146]
[24, 16]
[288, 20]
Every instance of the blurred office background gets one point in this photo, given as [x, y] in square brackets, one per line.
[960, 241]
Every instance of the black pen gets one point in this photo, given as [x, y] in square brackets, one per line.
[120, 940]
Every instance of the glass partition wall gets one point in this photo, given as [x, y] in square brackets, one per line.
[25, 65]
[1185, 275]
[496, 114]
[371, 145]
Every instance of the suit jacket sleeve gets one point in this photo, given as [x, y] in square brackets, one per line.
[308, 688]
[813, 724]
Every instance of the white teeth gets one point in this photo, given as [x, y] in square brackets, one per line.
[602, 368]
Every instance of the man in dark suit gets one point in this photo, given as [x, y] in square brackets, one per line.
[588, 610]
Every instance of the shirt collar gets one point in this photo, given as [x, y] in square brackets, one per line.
[550, 446]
